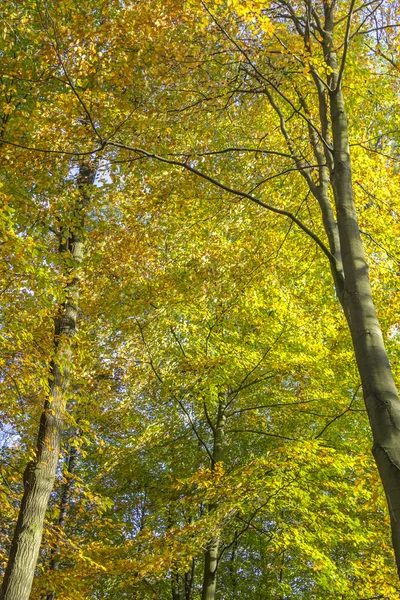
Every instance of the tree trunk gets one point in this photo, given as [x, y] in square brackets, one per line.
[379, 390]
[210, 571]
[176, 595]
[211, 553]
[232, 570]
[188, 580]
[40, 473]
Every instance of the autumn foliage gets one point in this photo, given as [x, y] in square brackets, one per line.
[171, 175]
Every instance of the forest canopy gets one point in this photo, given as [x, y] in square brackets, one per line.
[199, 337]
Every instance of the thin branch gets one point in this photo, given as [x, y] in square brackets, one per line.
[259, 74]
[178, 341]
[173, 396]
[226, 150]
[346, 410]
[362, 7]
[288, 170]
[393, 158]
[302, 115]
[211, 424]
[248, 523]
[291, 224]
[361, 24]
[69, 80]
[194, 429]
[390, 26]
[282, 124]
[346, 45]
[267, 433]
[233, 191]
[245, 378]
[254, 382]
[277, 405]
[374, 241]
[47, 151]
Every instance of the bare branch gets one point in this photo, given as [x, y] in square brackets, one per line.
[226, 150]
[346, 410]
[289, 170]
[48, 151]
[233, 191]
[178, 341]
[277, 405]
[267, 433]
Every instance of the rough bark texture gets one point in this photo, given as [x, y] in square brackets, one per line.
[211, 553]
[40, 473]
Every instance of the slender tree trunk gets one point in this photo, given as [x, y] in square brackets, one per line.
[65, 498]
[176, 595]
[379, 390]
[40, 473]
[232, 569]
[189, 578]
[211, 553]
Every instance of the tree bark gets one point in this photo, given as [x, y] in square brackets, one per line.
[349, 268]
[211, 553]
[379, 390]
[40, 473]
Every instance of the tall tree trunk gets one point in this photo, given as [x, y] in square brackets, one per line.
[379, 390]
[40, 473]
[211, 553]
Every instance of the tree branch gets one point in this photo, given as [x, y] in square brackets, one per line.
[233, 191]
[346, 45]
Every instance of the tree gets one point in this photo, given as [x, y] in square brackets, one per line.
[40, 472]
[319, 39]
[152, 464]
[189, 326]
